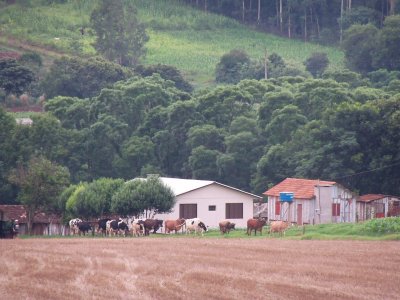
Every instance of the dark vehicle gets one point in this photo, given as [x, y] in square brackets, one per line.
[8, 229]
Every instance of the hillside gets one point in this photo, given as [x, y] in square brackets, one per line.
[189, 39]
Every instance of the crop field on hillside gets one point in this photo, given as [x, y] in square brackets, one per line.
[198, 268]
[189, 39]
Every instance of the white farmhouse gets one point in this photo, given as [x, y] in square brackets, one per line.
[310, 202]
[210, 201]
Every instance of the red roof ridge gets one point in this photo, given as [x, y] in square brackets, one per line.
[371, 197]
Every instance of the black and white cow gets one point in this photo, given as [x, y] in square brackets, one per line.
[112, 227]
[73, 225]
[102, 226]
[195, 225]
[123, 227]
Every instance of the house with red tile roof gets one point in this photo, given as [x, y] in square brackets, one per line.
[371, 206]
[310, 201]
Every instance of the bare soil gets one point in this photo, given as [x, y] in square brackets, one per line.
[198, 268]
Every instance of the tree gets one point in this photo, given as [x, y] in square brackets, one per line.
[231, 65]
[120, 36]
[143, 196]
[14, 78]
[317, 63]
[202, 163]
[136, 152]
[207, 135]
[7, 156]
[95, 199]
[359, 46]
[387, 53]
[167, 73]
[41, 182]
[81, 78]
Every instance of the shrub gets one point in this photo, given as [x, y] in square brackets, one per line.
[384, 225]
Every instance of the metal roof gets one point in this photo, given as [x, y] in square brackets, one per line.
[181, 186]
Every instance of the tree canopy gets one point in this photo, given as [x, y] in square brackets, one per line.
[120, 37]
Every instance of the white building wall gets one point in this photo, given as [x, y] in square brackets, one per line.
[217, 195]
[325, 196]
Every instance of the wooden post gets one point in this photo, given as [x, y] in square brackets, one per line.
[266, 65]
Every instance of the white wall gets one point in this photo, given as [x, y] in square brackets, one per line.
[217, 195]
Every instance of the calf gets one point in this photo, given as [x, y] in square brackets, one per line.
[73, 225]
[150, 224]
[84, 227]
[195, 225]
[256, 225]
[226, 226]
[174, 225]
[279, 227]
[137, 227]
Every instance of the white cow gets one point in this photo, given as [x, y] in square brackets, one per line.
[73, 225]
[195, 225]
[136, 226]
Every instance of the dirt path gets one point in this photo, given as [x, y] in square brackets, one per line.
[198, 268]
[22, 46]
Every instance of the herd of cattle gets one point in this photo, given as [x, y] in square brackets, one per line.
[140, 227]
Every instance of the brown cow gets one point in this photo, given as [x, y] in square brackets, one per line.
[174, 225]
[278, 226]
[150, 224]
[256, 224]
[226, 226]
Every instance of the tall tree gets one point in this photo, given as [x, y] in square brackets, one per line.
[120, 35]
[388, 54]
[143, 196]
[14, 78]
[41, 182]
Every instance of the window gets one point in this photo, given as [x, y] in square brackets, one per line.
[188, 211]
[212, 208]
[335, 209]
[277, 207]
[234, 210]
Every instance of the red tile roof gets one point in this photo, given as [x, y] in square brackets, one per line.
[18, 212]
[302, 188]
[370, 197]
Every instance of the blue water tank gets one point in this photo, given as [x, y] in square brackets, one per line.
[286, 196]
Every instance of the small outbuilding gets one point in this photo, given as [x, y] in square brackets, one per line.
[43, 224]
[210, 201]
[308, 201]
[371, 206]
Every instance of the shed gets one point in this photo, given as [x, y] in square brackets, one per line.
[43, 224]
[312, 202]
[210, 201]
[371, 206]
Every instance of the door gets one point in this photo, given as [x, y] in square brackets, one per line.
[299, 214]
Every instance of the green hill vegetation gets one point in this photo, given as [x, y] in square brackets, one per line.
[113, 117]
[181, 36]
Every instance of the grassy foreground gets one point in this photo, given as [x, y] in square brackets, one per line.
[189, 39]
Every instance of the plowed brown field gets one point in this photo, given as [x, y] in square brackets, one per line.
[198, 268]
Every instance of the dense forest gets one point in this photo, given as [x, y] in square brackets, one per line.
[114, 116]
[317, 20]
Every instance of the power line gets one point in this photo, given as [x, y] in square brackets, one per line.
[368, 171]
